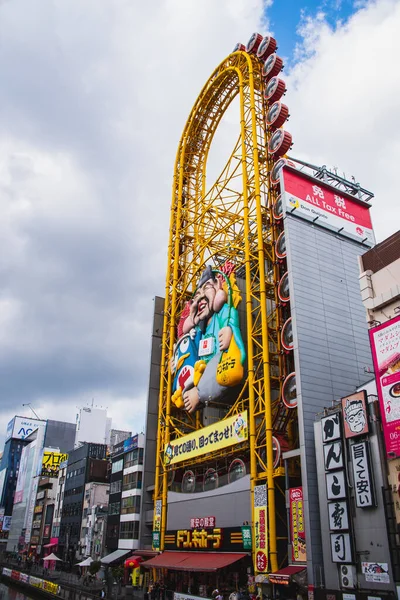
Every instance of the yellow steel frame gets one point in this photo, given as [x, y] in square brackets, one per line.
[230, 221]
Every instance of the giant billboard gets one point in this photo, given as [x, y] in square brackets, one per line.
[385, 345]
[51, 461]
[209, 354]
[20, 428]
[315, 201]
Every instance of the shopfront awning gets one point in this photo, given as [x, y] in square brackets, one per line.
[193, 561]
[283, 575]
[116, 555]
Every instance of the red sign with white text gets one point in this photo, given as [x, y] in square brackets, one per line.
[297, 525]
[385, 346]
[315, 201]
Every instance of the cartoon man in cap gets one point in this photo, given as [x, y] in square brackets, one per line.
[354, 415]
[216, 321]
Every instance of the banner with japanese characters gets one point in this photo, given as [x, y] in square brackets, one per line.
[333, 446]
[315, 201]
[51, 462]
[222, 434]
[363, 482]
[385, 346]
[260, 529]
[297, 525]
[157, 525]
[210, 539]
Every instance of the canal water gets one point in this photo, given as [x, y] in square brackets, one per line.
[11, 593]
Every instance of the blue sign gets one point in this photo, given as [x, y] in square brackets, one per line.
[131, 443]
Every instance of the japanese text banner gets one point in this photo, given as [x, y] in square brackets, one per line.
[298, 534]
[223, 434]
[315, 201]
[51, 463]
[260, 529]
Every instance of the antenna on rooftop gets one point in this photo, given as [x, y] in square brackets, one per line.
[34, 412]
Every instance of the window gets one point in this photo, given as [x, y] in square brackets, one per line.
[112, 531]
[132, 481]
[135, 457]
[129, 530]
[115, 487]
[117, 465]
[130, 505]
[114, 508]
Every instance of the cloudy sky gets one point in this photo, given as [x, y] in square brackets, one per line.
[94, 95]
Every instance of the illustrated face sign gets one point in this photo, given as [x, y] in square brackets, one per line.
[355, 415]
[209, 354]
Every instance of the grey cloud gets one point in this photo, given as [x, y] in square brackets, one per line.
[94, 98]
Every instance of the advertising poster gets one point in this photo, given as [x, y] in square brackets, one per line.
[260, 529]
[157, 525]
[51, 462]
[23, 466]
[355, 416]
[222, 434]
[2, 480]
[20, 428]
[297, 526]
[376, 572]
[209, 355]
[10, 428]
[385, 346]
[314, 201]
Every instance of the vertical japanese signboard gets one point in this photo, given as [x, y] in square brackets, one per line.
[363, 482]
[298, 534]
[336, 489]
[157, 525]
[260, 529]
[385, 346]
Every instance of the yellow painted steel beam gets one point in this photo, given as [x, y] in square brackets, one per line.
[227, 222]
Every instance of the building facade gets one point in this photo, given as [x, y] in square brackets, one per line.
[354, 510]
[18, 429]
[94, 519]
[50, 434]
[93, 426]
[125, 504]
[86, 464]
[263, 325]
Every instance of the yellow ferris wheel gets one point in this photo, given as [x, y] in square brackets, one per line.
[231, 226]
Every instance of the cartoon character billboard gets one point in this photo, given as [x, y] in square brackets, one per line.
[209, 355]
[355, 416]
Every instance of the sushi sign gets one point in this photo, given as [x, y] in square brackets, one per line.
[333, 446]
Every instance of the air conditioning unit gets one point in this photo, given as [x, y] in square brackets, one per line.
[348, 577]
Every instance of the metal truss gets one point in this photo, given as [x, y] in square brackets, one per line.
[229, 221]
